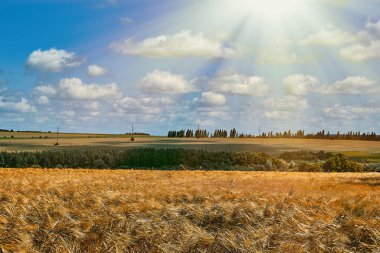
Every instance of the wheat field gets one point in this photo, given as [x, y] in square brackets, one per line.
[187, 211]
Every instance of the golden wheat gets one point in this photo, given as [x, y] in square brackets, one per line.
[183, 211]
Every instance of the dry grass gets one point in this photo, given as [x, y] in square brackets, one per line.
[159, 211]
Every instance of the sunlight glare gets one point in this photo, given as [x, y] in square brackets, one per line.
[276, 10]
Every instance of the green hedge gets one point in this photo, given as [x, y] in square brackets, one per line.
[169, 159]
[136, 158]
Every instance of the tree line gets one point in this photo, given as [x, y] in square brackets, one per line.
[300, 134]
[189, 134]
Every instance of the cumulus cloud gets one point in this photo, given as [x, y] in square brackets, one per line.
[299, 85]
[145, 105]
[353, 85]
[93, 105]
[212, 99]
[277, 114]
[361, 46]
[233, 83]
[68, 113]
[330, 36]
[165, 82]
[287, 103]
[52, 60]
[95, 70]
[46, 89]
[181, 44]
[43, 100]
[362, 51]
[8, 104]
[284, 107]
[367, 45]
[349, 112]
[76, 89]
[372, 29]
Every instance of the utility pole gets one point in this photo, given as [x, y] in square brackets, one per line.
[132, 137]
[259, 131]
[57, 143]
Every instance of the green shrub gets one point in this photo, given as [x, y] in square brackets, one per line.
[303, 155]
[373, 167]
[309, 167]
[340, 163]
[279, 164]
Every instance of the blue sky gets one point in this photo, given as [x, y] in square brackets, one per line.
[98, 66]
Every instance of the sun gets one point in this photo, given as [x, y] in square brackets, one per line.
[277, 10]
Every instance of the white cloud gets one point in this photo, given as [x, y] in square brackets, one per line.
[284, 107]
[212, 99]
[362, 46]
[330, 36]
[46, 89]
[94, 105]
[350, 112]
[95, 70]
[367, 46]
[181, 44]
[94, 113]
[214, 114]
[233, 83]
[165, 82]
[75, 88]
[68, 113]
[14, 106]
[362, 51]
[287, 103]
[42, 119]
[277, 114]
[145, 105]
[52, 60]
[372, 28]
[299, 85]
[354, 85]
[43, 100]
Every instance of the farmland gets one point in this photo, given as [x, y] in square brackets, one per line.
[87, 210]
[32, 142]
[188, 211]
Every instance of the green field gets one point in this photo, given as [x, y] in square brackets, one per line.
[362, 156]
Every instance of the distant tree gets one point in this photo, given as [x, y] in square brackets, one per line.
[233, 133]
